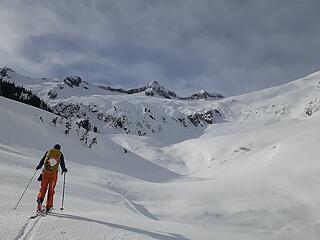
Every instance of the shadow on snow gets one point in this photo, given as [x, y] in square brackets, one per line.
[155, 235]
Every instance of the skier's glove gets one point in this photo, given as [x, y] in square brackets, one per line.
[40, 178]
[65, 170]
[38, 167]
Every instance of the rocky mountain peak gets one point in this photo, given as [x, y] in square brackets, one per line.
[72, 81]
[202, 94]
[4, 71]
[155, 89]
[155, 85]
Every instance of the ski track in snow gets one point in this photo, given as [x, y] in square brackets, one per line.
[28, 230]
[138, 208]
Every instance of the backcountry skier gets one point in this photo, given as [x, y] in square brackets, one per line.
[51, 161]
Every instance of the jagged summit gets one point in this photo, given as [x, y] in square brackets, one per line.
[72, 81]
[155, 89]
[202, 94]
[5, 70]
[154, 84]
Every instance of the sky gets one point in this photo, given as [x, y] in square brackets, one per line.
[226, 46]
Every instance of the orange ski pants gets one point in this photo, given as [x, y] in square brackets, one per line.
[49, 181]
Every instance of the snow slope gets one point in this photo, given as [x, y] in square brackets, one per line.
[91, 182]
[107, 189]
[253, 174]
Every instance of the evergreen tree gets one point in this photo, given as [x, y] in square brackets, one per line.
[93, 142]
[68, 127]
[54, 121]
[20, 94]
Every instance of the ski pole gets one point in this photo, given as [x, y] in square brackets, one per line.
[64, 185]
[25, 190]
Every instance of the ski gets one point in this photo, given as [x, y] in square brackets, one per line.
[46, 213]
[38, 214]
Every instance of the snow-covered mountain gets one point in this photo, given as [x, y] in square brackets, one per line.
[202, 94]
[154, 109]
[243, 167]
[140, 111]
[153, 89]
[157, 90]
[54, 88]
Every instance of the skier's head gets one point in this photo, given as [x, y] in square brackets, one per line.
[57, 146]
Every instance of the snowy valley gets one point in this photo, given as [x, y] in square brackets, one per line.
[146, 163]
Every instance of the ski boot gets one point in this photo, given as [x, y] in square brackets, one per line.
[48, 209]
[39, 206]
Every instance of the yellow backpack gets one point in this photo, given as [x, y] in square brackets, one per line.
[52, 160]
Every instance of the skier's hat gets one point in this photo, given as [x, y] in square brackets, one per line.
[57, 146]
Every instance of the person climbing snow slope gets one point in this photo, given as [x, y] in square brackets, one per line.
[51, 161]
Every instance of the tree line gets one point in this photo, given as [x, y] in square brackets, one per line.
[20, 94]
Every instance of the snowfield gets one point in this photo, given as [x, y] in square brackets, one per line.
[252, 174]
